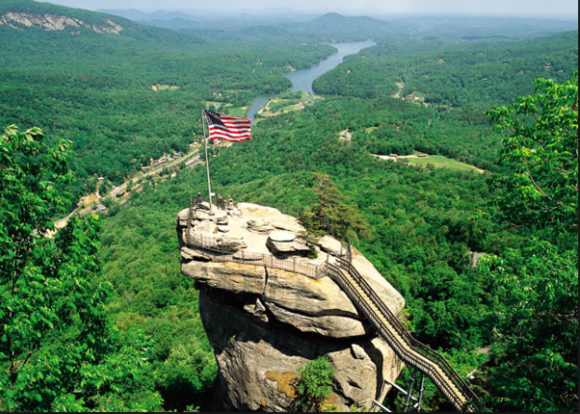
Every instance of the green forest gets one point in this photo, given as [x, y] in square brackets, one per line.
[100, 318]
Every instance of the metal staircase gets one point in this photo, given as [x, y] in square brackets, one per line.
[412, 352]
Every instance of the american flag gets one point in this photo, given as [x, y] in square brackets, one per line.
[228, 128]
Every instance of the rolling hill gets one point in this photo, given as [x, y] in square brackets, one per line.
[62, 72]
[28, 15]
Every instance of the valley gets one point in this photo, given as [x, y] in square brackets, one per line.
[336, 99]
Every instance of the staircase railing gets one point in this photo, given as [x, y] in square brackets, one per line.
[415, 349]
[410, 350]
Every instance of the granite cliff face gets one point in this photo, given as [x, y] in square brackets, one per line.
[265, 323]
[51, 23]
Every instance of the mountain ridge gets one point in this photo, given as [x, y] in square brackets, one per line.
[30, 16]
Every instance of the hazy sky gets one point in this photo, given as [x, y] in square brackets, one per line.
[493, 7]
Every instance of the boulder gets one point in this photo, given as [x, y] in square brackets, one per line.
[332, 246]
[204, 205]
[280, 236]
[310, 305]
[206, 227]
[182, 218]
[188, 255]
[227, 276]
[220, 244]
[259, 360]
[260, 226]
[265, 323]
[271, 215]
[295, 248]
[218, 216]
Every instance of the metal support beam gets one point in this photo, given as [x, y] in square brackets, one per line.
[401, 390]
[381, 406]
[421, 390]
[410, 392]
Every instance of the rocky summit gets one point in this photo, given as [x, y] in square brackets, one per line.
[268, 309]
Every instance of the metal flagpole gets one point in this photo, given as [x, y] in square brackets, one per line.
[203, 121]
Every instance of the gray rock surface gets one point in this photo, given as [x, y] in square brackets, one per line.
[208, 227]
[280, 236]
[189, 255]
[332, 246]
[295, 248]
[224, 244]
[260, 226]
[265, 323]
[259, 360]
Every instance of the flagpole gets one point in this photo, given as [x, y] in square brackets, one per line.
[203, 121]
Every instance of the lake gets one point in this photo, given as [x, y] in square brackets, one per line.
[302, 80]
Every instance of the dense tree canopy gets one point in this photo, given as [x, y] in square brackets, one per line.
[535, 348]
[330, 213]
[58, 350]
[79, 339]
[542, 150]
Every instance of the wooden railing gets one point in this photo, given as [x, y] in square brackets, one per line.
[411, 351]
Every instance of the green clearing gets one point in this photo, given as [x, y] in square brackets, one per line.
[238, 112]
[439, 161]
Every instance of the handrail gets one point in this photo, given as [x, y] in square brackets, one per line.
[415, 353]
[410, 350]
[205, 247]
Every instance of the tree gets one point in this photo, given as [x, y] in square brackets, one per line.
[535, 354]
[315, 384]
[330, 212]
[57, 348]
[541, 152]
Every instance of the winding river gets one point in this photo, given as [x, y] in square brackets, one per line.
[302, 80]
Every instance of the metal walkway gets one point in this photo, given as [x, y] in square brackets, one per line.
[412, 352]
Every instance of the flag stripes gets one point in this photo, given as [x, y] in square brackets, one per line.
[228, 128]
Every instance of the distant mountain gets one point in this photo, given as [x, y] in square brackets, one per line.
[28, 14]
[18, 16]
[131, 14]
[140, 16]
[339, 19]
[334, 27]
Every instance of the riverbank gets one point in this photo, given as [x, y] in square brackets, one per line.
[302, 80]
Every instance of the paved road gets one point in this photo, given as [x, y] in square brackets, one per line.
[191, 160]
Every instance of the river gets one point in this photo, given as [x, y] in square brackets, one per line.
[302, 80]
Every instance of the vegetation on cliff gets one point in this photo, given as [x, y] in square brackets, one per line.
[314, 384]
[513, 317]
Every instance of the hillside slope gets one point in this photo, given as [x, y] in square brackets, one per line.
[455, 75]
[29, 15]
[100, 91]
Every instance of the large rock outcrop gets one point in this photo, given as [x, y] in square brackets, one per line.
[51, 23]
[264, 322]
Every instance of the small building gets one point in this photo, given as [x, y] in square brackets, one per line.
[100, 207]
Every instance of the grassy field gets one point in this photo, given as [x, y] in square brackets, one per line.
[439, 161]
[239, 112]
